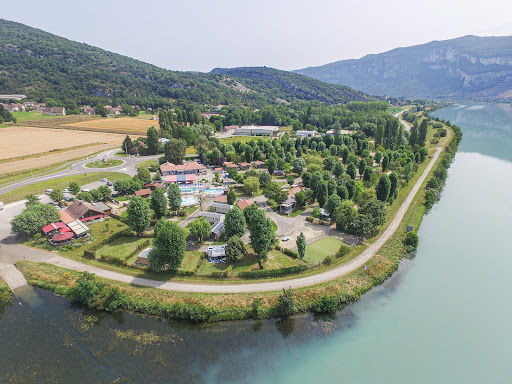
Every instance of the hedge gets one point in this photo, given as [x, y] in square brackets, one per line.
[273, 272]
[289, 252]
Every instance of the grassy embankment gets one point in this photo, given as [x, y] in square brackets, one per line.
[41, 187]
[5, 292]
[106, 164]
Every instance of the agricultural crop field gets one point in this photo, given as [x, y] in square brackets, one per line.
[319, 250]
[26, 147]
[123, 125]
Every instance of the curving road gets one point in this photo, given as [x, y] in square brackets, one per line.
[10, 252]
[406, 125]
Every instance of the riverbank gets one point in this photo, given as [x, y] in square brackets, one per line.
[6, 295]
[204, 307]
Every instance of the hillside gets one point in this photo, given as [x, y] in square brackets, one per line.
[466, 67]
[44, 66]
[288, 85]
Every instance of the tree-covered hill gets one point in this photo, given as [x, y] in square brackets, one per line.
[288, 85]
[466, 67]
[47, 67]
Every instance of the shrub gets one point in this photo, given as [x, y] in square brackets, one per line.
[325, 304]
[286, 303]
[289, 252]
[272, 272]
[411, 241]
[344, 250]
[328, 260]
[182, 213]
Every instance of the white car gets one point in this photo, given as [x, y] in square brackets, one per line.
[103, 179]
[48, 191]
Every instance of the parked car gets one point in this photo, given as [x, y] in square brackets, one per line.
[48, 191]
[110, 183]
[103, 179]
[65, 190]
[1, 205]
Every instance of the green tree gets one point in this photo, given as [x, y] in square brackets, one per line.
[249, 212]
[234, 222]
[411, 241]
[261, 234]
[252, 185]
[290, 180]
[169, 246]
[264, 178]
[231, 197]
[286, 303]
[74, 187]
[57, 195]
[127, 144]
[352, 170]
[383, 188]
[322, 193]
[144, 175]
[271, 165]
[298, 165]
[235, 249]
[414, 137]
[105, 192]
[200, 228]
[300, 199]
[159, 202]
[152, 141]
[175, 151]
[85, 196]
[34, 217]
[338, 168]
[139, 215]
[362, 167]
[422, 134]
[301, 246]
[344, 215]
[32, 199]
[96, 195]
[101, 110]
[333, 202]
[375, 210]
[174, 196]
[393, 179]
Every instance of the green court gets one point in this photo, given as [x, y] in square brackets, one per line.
[320, 249]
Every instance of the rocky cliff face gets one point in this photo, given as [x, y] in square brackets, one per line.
[467, 67]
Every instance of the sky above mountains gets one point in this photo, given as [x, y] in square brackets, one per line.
[199, 35]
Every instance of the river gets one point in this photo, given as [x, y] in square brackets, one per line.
[442, 318]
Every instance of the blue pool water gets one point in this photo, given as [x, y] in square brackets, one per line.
[188, 201]
[190, 189]
[214, 191]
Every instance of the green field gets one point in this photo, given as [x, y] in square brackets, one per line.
[121, 248]
[319, 250]
[394, 110]
[27, 116]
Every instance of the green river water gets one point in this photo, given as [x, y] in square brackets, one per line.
[442, 318]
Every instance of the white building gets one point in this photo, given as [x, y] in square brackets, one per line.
[217, 230]
[221, 207]
[212, 217]
[257, 130]
[216, 253]
[305, 133]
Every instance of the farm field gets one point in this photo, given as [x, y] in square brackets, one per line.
[319, 250]
[44, 147]
[123, 125]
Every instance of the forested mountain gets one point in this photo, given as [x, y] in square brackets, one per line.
[288, 85]
[467, 67]
[46, 67]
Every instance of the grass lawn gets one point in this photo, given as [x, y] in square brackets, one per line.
[121, 248]
[15, 176]
[104, 164]
[27, 116]
[319, 250]
[299, 211]
[190, 260]
[394, 110]
[147, 164]
[41, 187]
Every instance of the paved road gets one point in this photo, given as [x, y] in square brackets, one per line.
[77, 168]
[11, 252]
[404, 123]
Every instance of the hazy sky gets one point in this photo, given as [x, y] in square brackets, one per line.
[287, 34]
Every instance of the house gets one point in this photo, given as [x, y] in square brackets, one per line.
[30, 104]
[144, 193]
[244, 165]
[229, 128]
[14, 107]
[257, 130]
[212, 217]
[187, 168]
[55, 111]
[294, 190]
[259, 164]
[230, 164]
[216, 253]
[143, 257]
[221, 207]
[244, 203]
[223, 199]
[81, 211]
[219, 170]
[305, 133]
[288, 206]
[104, 207]
[54, 228]
[154, 185]
[180, 179]
[331, 132]
[155, 118]
[87, 110]
[217, 230]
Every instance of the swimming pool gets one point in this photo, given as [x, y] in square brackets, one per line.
[214, 191]
[190, 190]
[188, 201]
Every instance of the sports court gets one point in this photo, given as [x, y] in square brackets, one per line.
[322, 248]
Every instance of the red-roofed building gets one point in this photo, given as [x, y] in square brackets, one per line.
[230, 164]
[81, 210]
[245, 165]
[219, 170]
[221, 199]
[259, 164]
[294, 190]
[144, 193]
[187, 168]
[228, 128]
[53, 228]
[244, 203]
